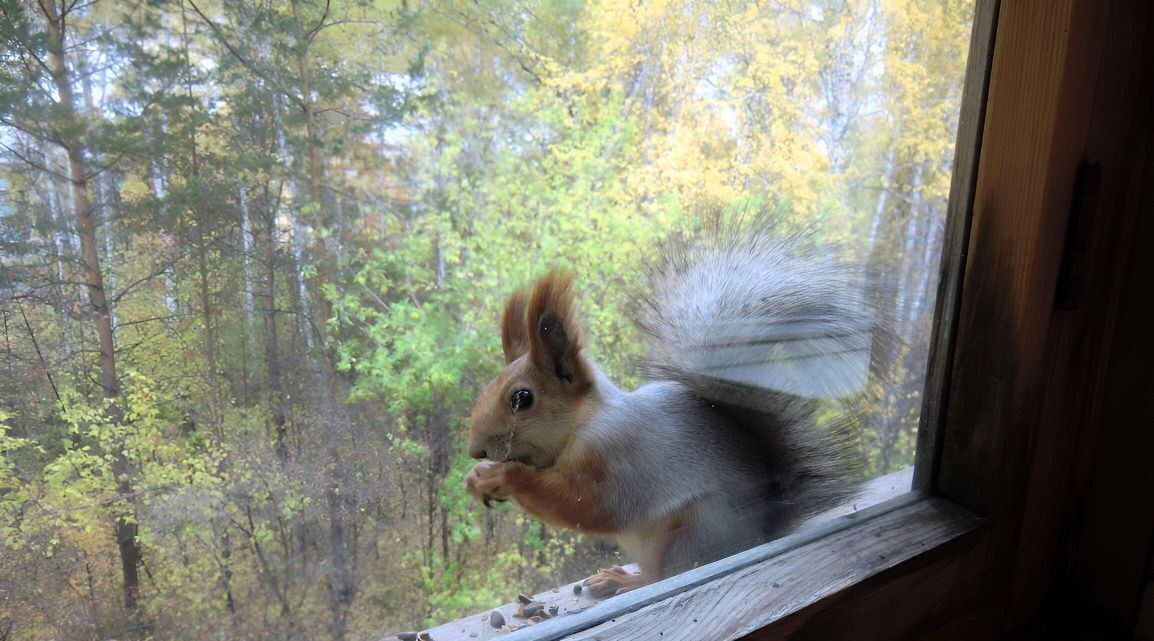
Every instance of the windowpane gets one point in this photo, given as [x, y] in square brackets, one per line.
[255, 256]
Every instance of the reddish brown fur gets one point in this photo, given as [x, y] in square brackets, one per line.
[514, 339]
[554, 293]
[568, 492]
[567, 495]
[542, 343]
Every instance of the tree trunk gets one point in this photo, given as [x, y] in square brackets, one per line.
[62, 254]
[246, 240]
[271, 351]
[342, 542]
[298, 287]
[321, 306]
[342, 585]
[126, 529]
[214, 407]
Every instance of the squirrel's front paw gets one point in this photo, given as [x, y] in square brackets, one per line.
[614, 580]
[486, 482]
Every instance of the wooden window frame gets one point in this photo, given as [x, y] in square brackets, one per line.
[968, 554]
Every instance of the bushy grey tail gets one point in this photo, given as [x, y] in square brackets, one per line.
[776, 330]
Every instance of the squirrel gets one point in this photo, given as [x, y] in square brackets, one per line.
[731, 442]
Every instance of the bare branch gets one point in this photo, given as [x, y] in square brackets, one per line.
[67, 7]
[482, 31]
[31, 53]
[141, 321]
[143, 279]
[156, 271]
[312, 33]
[337, 23]
[36, 133]
[39, 354]
[35, 165]
[248, 64]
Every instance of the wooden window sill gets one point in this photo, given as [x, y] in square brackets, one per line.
[749, 591]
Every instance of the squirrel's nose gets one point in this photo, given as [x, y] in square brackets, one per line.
[476, 449]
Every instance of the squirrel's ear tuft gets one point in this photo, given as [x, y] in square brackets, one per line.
[514, 330]
[554, 338]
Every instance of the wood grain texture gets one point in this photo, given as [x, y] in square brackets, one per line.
[994, 447]
[747, 600]
[1088, 421]
[918, 599]
[967, 152]
[1034, 133]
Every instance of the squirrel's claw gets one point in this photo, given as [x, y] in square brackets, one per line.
[487, 500]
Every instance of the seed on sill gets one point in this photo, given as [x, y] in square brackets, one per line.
[530, 609]
[576, 588]
[524, 599]
[496, 619]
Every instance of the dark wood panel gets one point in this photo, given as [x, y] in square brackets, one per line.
[1080, 331]
[1112, 513]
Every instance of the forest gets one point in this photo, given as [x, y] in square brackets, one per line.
[253, 255]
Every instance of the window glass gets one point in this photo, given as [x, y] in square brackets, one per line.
[255, 256]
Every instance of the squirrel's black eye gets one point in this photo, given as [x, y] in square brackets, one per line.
[521, 399]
